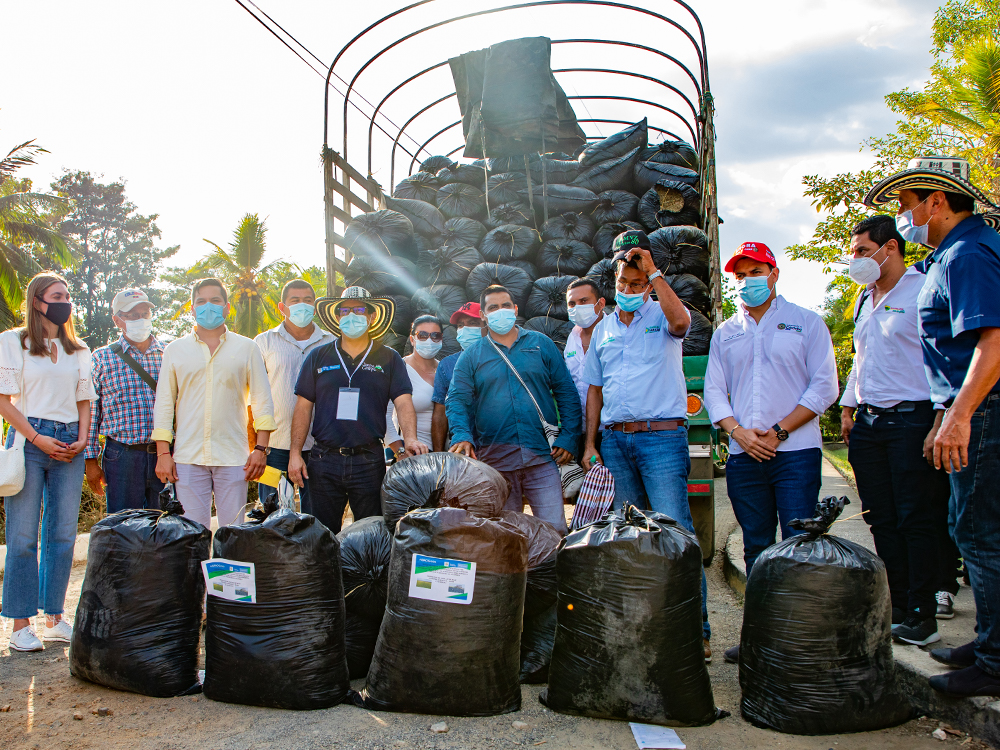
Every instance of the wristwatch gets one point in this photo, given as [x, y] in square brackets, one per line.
[782, 434]
[262, 449]
[400, 453]
[655, 275]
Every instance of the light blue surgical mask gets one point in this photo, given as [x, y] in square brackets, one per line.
[629, 302]
[753, 290]
[301, 314]
[468, 335]
[353, 325]
[210, 316]
[427, 349]
[501, 321]
[919, 235]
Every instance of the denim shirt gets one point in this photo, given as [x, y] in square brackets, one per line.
[487, 400]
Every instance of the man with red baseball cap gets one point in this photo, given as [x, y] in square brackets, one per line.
[470, 330]
[771, 373]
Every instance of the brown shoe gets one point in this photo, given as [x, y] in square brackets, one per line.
[708, 651]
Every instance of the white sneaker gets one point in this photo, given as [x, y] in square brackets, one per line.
[25, 640]
[61, 632]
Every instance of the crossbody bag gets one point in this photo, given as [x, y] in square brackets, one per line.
[128, 359]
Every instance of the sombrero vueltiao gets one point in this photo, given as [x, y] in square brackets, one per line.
[947, 173]
[326, 308]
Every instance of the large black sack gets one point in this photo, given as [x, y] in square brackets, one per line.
[509, 242]
[426, 219]
[364, 556]
[561, 199]
[434, 164]
[463, 173]
[604, 238]
[669, 203]
[139, 618]
[380, 233]
[419, 186]
[604, 275]
[647, 174]
[619, 144]
[445, 657]
[506, 187]
[680, 250]
[671, 152]
[557, 171]
[462, 232]
[615, 206]
[436, 480]
[569, 226]
[629, 640]
[569, 257]
[457, 199]
[450, 264]
[517, 281]
[381, 276]
[441, 300]
[699, 336]
[262, 654]
[548, 297]
[508, 213]
[815, 653]
[529, 268]
[552, 328]
[402, 316]
[692, 291]
[612, 174]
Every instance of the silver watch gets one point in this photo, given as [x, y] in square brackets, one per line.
[655, 275]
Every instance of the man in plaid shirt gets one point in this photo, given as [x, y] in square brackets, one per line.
[123, 411]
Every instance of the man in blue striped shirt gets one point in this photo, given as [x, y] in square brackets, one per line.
[123, 411]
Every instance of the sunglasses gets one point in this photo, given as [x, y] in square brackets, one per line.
[360, 310]
[424, 335]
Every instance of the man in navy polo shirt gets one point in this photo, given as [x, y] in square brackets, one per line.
[959, 308]
[350, 381]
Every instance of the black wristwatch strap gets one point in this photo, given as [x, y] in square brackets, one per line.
[782, 434]
[261, 448]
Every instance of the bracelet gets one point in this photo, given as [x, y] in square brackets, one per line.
[163, 454]
[32, 440]
[732, 432]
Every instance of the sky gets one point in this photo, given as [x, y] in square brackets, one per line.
[206, 116]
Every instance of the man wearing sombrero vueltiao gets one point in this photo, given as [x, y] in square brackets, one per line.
[959, 314]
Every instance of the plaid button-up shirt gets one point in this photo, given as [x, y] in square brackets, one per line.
[123, 410]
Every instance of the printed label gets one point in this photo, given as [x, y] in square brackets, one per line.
[570, 354]
[653, 329]
[789, 327]
[230, 579]
[734, 336]
[371, 368]
[889, 309]
[442, 580]
[321, 370]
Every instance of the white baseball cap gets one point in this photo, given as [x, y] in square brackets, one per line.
[126, 299]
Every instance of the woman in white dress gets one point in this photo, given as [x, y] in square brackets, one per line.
[426, 338]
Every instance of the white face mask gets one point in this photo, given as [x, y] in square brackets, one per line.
[865, 270]
[583, 315]
[138, 330]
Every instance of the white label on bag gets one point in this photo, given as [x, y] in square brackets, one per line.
[442, 580]
[230, 579]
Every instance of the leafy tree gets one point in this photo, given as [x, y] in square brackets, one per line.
[114, 246]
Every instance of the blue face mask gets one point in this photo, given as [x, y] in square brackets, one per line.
[501, 321]
[353, 325]
[753, 290]
[629, 302]
[209, 316]
[468, 335]
[301, 314]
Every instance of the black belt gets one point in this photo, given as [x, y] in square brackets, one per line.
[902, 406]
[143, 447]
[373, 447]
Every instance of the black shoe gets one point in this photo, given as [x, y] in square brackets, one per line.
[964, 683]
[732, 655]
[960, 657]
[917, 631]
[898, 615]
[945, 605]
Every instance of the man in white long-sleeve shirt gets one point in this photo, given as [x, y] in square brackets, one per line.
[886, 418]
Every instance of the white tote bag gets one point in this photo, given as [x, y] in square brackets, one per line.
[12, 459]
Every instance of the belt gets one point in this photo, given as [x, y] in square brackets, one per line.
[902, 406]
[143, 447]
[647, 425]
[373, 447]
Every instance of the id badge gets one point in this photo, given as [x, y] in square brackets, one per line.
[347, 404]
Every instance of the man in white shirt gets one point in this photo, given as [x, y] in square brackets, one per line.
[206, 381]
[586, 310]
[887, 416]
[771, 373]
[285, 348]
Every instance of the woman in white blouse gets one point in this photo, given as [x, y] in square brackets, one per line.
[45, 394]
[426, 338]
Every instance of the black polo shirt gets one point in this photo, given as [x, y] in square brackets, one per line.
[380, 379]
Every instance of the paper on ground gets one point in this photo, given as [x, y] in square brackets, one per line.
[652, 736]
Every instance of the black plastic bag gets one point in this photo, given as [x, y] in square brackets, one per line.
[553, 328]
[424, 216]
[612, 174]
[402, 316]
[561, 199]
[680, 250]
[380, 233]
[139, 618]
[434, 164]
[671, 152]
[569, 226]
[287, 649]
[508, 213]
[517, 281]
[604, 238]
[815, 654]
[364, 554]
[381, 276]
[619, 144]
[557, 171]
[669, 203]
[462, 232]
[604, 275]
[503, 164]
[419, 186]
[529, 268]
[436, 480]
[450, 264]
[647, 174]
[462, 173]
[629, 640]
[506, 187]
[548, 297]
[441, 300]
[446, 657]
[509, 242]
[699, 336]
[569, 257]
[614, 206]
[457, 199]
[692, 291]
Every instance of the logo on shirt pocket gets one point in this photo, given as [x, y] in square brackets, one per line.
[321, 370]
[371, 368]
[890, 309]
[570, 354]
[789, 327]
[653, 329]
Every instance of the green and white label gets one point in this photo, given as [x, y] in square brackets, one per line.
[230, 579]
[442, 580]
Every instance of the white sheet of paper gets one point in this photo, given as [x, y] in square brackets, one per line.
[653, 736]
[347, 404]
[230, 579]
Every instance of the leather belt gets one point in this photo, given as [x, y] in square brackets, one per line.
[902, 406]
[142, 447]
[373, 447]
[648, 425]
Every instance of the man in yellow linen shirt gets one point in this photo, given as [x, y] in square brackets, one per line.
[206, 381]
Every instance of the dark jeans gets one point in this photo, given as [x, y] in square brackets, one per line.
[278, 458]
[131, 478]
[906, 501]
[976, 512]
[763, 493]
[338, 480]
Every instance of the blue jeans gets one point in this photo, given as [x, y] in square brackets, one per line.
[131, 478]
[975, 511]
[51, 491]
[278, 458]
[338, 480]
[541, 486]
[651, 472]
[783, 488]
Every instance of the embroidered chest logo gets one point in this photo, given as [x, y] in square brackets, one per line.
[890, 309]
[734, 336]
[570, 354]
[653, 329]
[789, 327]
[607, 341]
[371, 368]
[321, 370]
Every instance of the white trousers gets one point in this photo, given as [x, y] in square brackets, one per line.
[196, 485]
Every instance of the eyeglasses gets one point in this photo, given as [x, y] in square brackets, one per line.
[135, 315]
[360, 310]
[424, 335]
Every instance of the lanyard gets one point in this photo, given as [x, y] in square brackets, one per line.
[352, 374]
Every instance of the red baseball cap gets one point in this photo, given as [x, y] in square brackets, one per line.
[469, 308]
[754, 251]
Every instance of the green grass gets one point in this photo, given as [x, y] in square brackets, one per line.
[836, 453]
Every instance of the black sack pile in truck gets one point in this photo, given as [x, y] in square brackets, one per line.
[364, 557]
[286, 649]
[629, 636]
[815, 654]
[449, 643]
[139, 618]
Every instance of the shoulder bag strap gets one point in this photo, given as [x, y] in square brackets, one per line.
[518, 376]
[128, 359]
